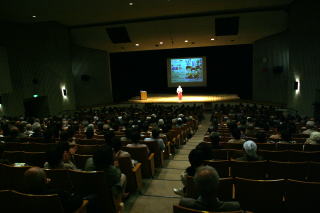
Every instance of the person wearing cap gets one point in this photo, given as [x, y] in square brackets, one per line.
[250, 149]
[314, 138]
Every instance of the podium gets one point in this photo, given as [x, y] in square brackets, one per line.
[143, 95]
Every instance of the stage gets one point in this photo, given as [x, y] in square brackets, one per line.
[169, 98]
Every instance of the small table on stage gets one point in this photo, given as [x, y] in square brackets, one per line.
[143, 95]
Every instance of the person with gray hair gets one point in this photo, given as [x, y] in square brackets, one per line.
[206, 181]
[314, 138]
[250, 149]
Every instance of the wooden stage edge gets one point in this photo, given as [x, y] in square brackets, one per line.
[169, 98]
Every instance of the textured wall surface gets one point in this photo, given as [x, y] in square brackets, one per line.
[97, 89]
[42, 52]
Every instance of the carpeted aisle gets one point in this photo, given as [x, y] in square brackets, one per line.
[157, 195]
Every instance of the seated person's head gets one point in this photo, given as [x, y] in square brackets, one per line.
[261, 137]
[134, 136]
[196, 158]
[250, 148]
[55, 159]
[206, 180]
[286, 135]
[116, 144]
[35, 180]
[14, 131]
[236, 134]
[315, 136]
[206, 149]
[155, 132]
[215, 138]
[108, 135]
[103, 158]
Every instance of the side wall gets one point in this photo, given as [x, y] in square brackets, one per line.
[304, 55]
[269, 53]
[37, 51]
[97, 88]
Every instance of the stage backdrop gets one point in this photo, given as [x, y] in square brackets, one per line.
[229, 70]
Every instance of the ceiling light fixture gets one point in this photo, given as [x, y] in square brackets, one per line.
[34, 16]
[131, 3]
[212, 39]
[186, 41]
[137, 45]
[161, 42]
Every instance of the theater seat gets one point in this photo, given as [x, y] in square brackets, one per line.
[181, 209]
[133, 174]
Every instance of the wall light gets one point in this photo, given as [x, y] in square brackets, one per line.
[64, 92]
[296, 86]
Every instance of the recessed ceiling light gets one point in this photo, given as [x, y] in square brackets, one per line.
[186, 41]
[161, 42]
[137, 44]
[212, 39]
[131, 3]
[34, 16]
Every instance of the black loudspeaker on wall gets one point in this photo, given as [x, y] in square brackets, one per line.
[277, 69]
[0, 100]
[295, 85]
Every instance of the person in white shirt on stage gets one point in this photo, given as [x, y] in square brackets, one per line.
[179, 92]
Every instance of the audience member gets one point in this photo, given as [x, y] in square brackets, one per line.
[206, 180]
[156, 137]
[236, 134]
[250, 149]
[314, 138]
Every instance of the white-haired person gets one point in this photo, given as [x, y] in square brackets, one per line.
[314, 138]
[206, 181]
[310, 125]
[250, 154]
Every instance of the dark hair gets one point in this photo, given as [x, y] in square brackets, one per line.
[55, 157]
[286, 135]
[134, 136]
[206, 149]
[116, 144]
[108, 135]
[236, 133]
[89, 134]
[215, 138]
[155, 132]
[103, 158]
[195, 157]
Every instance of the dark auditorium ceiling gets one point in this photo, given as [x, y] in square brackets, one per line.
[150, 22]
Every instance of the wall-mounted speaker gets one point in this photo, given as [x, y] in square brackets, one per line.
[118, 35]
[85, 77]
[0, 100]
[64, 92]
[277, 69]
[227, 26]
[295, 85]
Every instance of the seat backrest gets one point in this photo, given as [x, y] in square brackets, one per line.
[222, 167]
[302, 196]
[235, 153]
[14, 156]
[313, 171]
[290, 146]
[181, 209]
[35, 158]
[91, 141]
[312, 147]
[59, 179]
[80, 160]
[233, 146]
[249, 169]
[33, 203]
[39, 147]
[138, 153]
[225, 192]
[287, 170]
[274, 155]
[95, 182]
[88, 149]
[260, 195]
[4, 178]
[266, 146]
[14, 146]
[220, 154]
[16, 177]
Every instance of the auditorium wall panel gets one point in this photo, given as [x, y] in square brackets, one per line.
[268, 84]
[92, 76]
[304, 55]
[39, 59]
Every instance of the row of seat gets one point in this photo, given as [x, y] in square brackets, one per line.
[290, 155]
[81, 182]
[277, 195]
[275, 146]
[267, 169]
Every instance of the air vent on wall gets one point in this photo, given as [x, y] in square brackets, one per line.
[118, 35]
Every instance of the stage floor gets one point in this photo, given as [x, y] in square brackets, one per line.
[169, 98]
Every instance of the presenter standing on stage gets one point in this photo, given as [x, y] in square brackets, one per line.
[179, 92]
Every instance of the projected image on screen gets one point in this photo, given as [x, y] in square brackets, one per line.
[186, 71]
